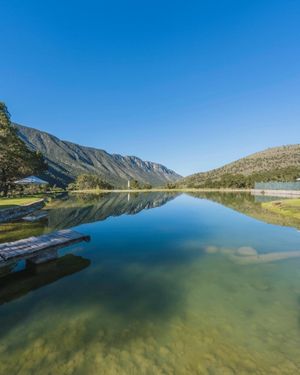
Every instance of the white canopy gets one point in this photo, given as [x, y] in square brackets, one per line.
[31, 180]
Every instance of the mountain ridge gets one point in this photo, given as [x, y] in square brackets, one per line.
[66, 160]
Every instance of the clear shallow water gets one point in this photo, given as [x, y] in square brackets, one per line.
[166, 286]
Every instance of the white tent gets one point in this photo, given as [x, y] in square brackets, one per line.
[31, 180]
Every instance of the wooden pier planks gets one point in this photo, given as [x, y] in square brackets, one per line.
[32, 245]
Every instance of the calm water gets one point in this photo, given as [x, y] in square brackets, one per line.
[167, 285]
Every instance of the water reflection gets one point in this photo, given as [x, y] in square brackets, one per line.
[80, 209]
[14, 285]
[249, 205]
[72, 210]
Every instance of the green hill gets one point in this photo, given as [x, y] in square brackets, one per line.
[274, 164]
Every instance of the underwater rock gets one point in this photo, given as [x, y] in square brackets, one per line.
[246, 251]
[227, 251]
[211, 249]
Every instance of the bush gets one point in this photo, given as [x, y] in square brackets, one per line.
[135, 185]
[87, 181]
[147, 186]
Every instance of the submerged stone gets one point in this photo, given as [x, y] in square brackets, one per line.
[246, 251]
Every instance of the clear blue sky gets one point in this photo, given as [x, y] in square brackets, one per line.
[190, 84]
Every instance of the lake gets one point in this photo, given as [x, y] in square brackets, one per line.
[168, 284]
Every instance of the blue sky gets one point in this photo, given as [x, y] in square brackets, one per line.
[190, 84]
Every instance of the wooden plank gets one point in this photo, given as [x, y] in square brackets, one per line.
[32, 245]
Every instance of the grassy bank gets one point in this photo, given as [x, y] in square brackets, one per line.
[13, 202]
[287, 207]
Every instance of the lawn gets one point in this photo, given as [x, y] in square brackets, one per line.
[12, 202]
[286, 207]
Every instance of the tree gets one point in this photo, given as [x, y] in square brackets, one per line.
[89, 181]
[135, 185]
[16, 160]
[171, 185]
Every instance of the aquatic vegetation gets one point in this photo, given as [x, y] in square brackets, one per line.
[226, 321]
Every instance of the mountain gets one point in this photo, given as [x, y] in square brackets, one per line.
[67, 160]
[277, 163]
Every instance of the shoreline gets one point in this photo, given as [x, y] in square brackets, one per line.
[100, 191]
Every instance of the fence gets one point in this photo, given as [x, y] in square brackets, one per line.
[277, 185]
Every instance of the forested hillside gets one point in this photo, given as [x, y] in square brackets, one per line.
[274, 164]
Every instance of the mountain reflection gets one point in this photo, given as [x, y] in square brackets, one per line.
[72, 210]
[81, 209]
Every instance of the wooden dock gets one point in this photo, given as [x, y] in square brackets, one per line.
[35, 247]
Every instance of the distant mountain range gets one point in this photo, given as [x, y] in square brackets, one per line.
[67, 160]
[277, 163]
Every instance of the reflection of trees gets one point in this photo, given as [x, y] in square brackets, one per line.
[248, 205]
[90, 208]
[16, 284]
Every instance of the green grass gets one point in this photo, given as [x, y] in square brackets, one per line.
[13, 202]
[286, 207]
